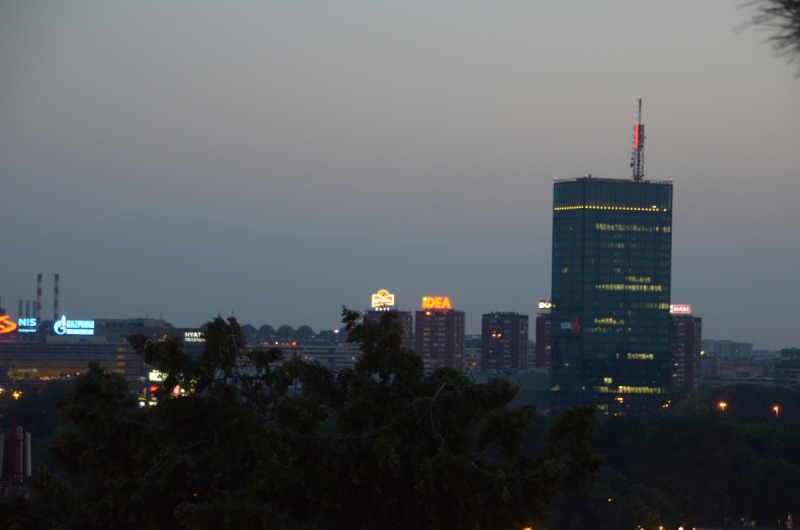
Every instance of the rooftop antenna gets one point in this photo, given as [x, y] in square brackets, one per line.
[637, 160]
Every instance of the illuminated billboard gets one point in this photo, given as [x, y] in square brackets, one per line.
[382, 298]
[6, 325]
[545, 304]
[680, 309]
[26, 325]
[193, 336]
[73, 327]
[436, 302]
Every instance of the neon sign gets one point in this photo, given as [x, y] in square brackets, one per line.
[6, 325]
[680, 309]
[436, 302]
[382, 298]
[73, 327]
[26, 325]
[546, 304]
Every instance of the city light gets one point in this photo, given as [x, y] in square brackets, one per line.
[722, 405]
[777, 409]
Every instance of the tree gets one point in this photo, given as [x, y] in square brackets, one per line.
[285, 332]
[305, 332]
[782, 17]
[612, 501]
[266, 332]
[247, 439]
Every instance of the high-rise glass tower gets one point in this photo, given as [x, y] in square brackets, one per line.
[610, 319]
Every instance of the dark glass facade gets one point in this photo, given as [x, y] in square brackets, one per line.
[611, 292]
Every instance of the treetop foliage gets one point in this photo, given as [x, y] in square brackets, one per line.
[249, 439]
[782, 17]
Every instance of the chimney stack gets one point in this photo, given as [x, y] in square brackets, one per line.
[55, 298]
[38, 312]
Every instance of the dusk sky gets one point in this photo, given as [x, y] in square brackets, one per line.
[276, 161]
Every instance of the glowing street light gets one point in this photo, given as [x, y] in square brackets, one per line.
[722, 405]
[777, 409]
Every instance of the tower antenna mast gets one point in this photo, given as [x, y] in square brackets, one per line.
[637, 160]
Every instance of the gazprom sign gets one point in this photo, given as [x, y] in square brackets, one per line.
[73, 327]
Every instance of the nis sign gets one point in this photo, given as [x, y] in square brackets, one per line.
[680, 309]
[73, 327]
[382, 298]
[26, 325]
[436, 302]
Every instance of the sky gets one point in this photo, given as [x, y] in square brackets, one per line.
[277, 160]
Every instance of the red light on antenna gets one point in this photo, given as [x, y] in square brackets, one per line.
[636, 136]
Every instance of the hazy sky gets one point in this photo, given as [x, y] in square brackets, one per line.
[279, 160]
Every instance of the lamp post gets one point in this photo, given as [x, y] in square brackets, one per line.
[722, 406]
[777, 409]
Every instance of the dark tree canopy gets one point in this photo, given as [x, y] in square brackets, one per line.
[285, 332]
[247, 329]
[247, 439]
[266, 330]
[694, 464]
[305, 332]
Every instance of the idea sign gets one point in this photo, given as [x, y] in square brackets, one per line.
[436, 302]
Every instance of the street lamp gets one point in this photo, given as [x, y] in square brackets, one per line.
[722, 405]
[776, 408]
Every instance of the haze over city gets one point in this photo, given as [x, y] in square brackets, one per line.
[277, 161]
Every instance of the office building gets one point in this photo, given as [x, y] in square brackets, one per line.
[610, 293]
[685, 341]
[439, 333]
[728, 349]
[36, 363]
[471, 361]
[543, 343]
[383, 301]
[504, 342]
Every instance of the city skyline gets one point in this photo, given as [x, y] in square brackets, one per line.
[277, 162]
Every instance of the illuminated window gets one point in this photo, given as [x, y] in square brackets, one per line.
[627, 287]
